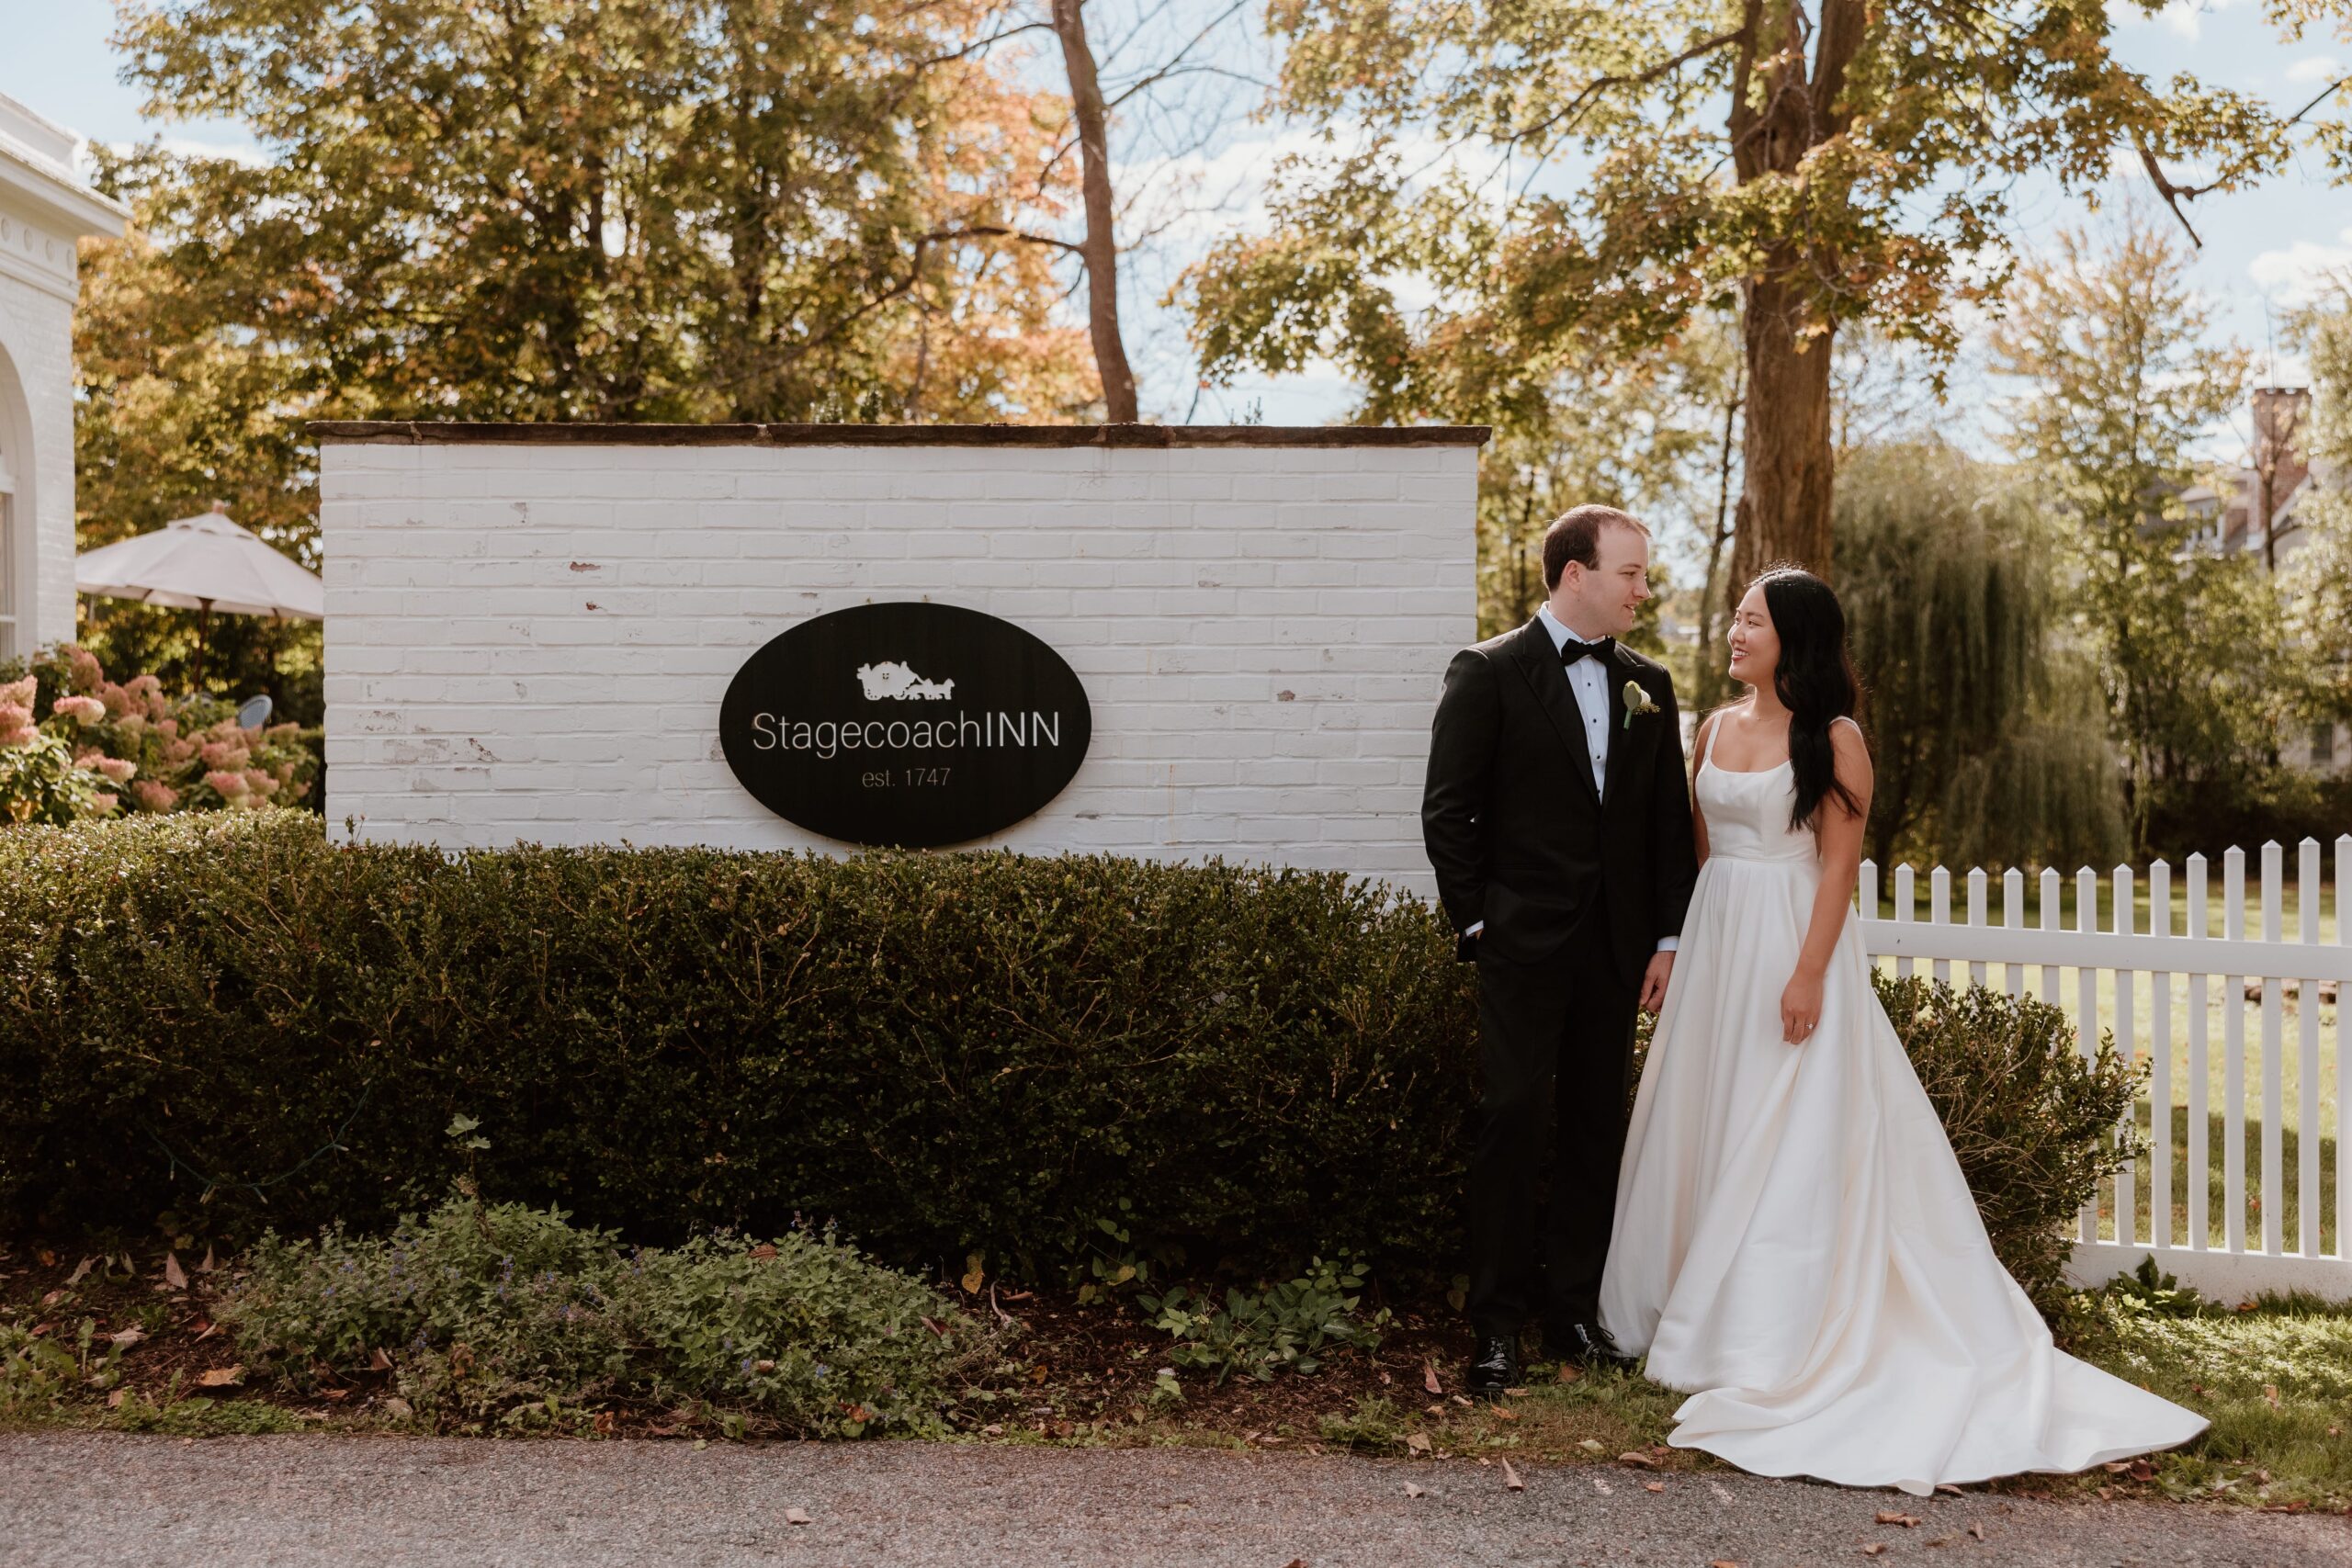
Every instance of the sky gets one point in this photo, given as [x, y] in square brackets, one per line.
[2263, 250]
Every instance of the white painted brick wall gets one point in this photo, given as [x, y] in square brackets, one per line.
[529, 642]
[37, 426]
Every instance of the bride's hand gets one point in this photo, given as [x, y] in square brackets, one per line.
[1799, 1008]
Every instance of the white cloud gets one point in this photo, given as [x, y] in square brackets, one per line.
[2294, 276]
[2314, 68]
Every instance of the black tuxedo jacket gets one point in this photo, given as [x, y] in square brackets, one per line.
[1518, 835]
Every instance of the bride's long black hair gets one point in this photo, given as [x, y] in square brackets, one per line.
[1815, 680]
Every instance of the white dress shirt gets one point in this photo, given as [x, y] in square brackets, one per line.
[1589, 679]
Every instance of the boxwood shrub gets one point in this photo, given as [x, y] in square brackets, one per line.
[231, 1023]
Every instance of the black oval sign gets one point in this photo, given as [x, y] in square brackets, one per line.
[905, 724]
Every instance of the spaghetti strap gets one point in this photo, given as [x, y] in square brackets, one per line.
[1841, 718]
[1707, 747]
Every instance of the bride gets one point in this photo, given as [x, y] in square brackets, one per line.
[1795, 1246]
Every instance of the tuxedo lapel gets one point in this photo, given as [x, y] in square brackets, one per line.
[1539, 660]
[1621, 670]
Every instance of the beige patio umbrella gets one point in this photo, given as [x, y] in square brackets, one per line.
[203, 563]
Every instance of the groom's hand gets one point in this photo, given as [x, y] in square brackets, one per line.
[1653, 981]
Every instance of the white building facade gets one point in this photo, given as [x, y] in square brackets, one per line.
[44, 211]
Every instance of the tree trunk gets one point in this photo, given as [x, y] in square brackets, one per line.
[1780, 113]
[1785, 449]
[1099, 249]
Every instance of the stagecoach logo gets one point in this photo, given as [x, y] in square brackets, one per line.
[803, 728]
[892, 679]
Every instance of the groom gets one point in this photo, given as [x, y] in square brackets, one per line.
[1556, 817]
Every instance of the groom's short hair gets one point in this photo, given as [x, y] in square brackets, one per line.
[1576, 537]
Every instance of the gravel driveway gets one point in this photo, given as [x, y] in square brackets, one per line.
[85, 1499]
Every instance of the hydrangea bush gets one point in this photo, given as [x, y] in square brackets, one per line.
[103, 748]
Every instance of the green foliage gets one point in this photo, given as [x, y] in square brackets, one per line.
[226, 1014]
[1285, 1327]
[38, 1373]
[38, 781]
[2190, 646]
[2147, 1291]
[1374, 1425]
[2032, 1122]
[1985, 728]
[506, 1313]
[947, 1053]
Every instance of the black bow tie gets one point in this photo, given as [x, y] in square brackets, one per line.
[1571, 649]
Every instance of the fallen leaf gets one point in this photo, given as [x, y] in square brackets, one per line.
[935, 1326]
[1725, 1563]
[1438, 1410]
[80, 1271]
[114, 1400]
[794, 1517]
[207, 1265]
[1515, 1393]
[1873, 1548]
[974, 1275]
[1589, 1445]
[2141, 1470]
[764, 1251]
[1948, 1486]
[48, 1259]
[1510, 1478]
[1642, 1460]
[1411, 1490]
[129, 1336]
[53, 1298]
[1569, 1374]
[1428, 1377]
[207, 1331]
[1653, 1485]
[1462, 1399]
[2114, 1467]
[219, 1377]
[1418, 1442]
[1038, 1373]
[992, 1430]
[174, 1275]
[1502, 1414]
[378, 1362]
[1905, 1520]
[334, 1393]
[1977, 1530]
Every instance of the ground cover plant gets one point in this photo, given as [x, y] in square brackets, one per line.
[2273, 1375]
[500, 1314]
[979, 1063]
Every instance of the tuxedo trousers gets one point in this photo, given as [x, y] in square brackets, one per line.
[1555, 1054]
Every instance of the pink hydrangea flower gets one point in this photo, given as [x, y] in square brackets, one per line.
[226, 785]
[225, 754]
[106, 805]
[153, 797]
[86, 710]
[20, 736]
[83, 669]
[20, 694]
[118, 769]
[14, 716]
[260, 783]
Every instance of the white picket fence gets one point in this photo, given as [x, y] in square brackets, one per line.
[2138, 1002]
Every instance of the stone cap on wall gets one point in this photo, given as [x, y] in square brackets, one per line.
[458, 433]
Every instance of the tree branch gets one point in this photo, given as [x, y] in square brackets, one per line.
[1599, 85]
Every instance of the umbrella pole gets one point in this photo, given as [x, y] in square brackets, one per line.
[203, 621]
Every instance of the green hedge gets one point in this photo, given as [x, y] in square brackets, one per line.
[945, 1053]
[226, 1020]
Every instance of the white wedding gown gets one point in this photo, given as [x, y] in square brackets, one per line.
[1796, 1247]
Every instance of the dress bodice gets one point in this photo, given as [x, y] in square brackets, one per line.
[1748, 813]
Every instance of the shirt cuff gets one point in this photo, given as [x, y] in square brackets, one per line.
[1668, 943]
[1474, 928]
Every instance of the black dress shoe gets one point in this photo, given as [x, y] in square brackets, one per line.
[1496, 1366]
[1586, 1344]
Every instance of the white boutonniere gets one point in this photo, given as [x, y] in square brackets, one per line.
[1636, 701]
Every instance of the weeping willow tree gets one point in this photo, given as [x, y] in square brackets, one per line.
[1987, 732]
